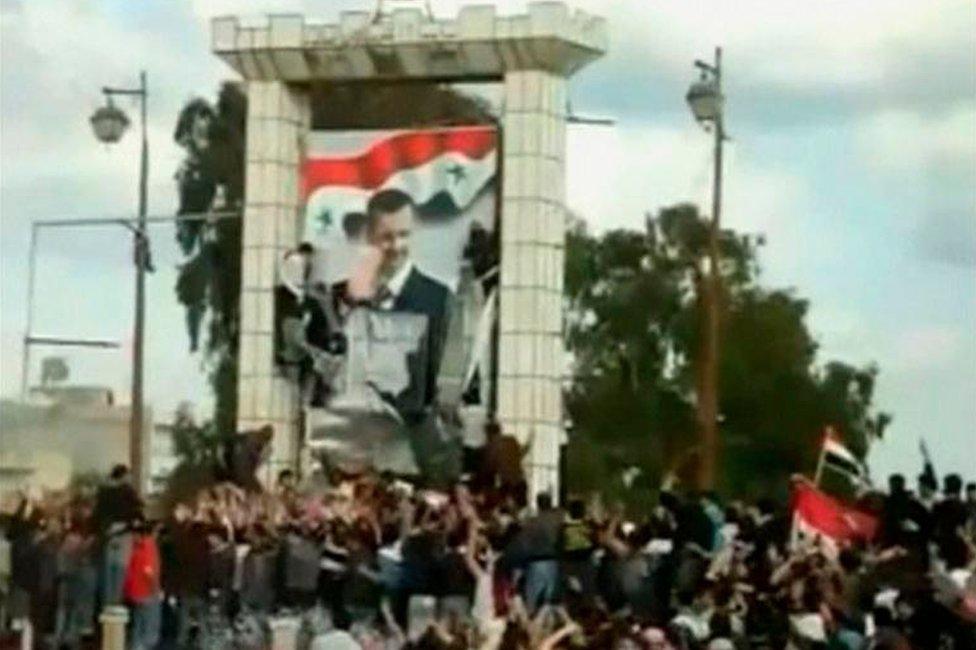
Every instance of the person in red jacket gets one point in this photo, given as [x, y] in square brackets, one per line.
[142, 588]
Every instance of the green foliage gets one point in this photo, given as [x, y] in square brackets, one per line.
[195, 444]
[85, 484]
[199, 448]
[632, 326]
[211, 179]
[394, 105]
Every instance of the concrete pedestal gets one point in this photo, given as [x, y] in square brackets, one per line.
[114, 620]
[284, 633]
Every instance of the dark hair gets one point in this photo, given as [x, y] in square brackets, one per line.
[353, 224]
[952, 484]
[896, 483]
[543, 501]
[882, 617]
[385, 202]
[925, 480]
[285, 473]
[849, 560]
[720, 625]
[577, 509]
[119, 471]
[970, 487]
[492, 428]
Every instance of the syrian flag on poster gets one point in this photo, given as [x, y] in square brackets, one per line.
[443, 170]
[840, 459]
[820, 517]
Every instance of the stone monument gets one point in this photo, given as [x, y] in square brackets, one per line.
[532, 56]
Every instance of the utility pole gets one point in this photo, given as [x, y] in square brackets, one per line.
[706, 100]
[109, 123]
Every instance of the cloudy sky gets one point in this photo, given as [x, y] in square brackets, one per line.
[854, 150]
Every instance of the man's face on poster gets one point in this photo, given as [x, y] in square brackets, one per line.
[390, 233]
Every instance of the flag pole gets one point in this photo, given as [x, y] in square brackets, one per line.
[818, 473]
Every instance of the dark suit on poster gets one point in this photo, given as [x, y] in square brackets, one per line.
[419, 294]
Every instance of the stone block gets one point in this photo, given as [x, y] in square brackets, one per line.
[506, 312]
[513, 181]
[249, 311]
[262, 396]
[257, 185]
[265, 217]
[291, 64]
[267, 262]
[223, 33]
[525, 361]
[524, 309]
[352, 24]
[548, 18]
[532, 223]
[513, 133]
[522, 252]
[530, 178]
[406, 24]
[531, 125]
[512, 209]
[263, 344]
[246, 356]
[260, 38]
[249, 262]
[430, 31]
[524, 398]
[249, 65]
[531, 89]
[521, 27]
[287, 227]
[245, 399]
[264, 314]
[286, 30]
[476, 22]
[506, 396]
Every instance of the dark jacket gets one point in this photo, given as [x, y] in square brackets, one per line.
[187, 576]
[540, 537]
[115, 503]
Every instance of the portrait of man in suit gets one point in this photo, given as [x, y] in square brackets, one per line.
[387, 278]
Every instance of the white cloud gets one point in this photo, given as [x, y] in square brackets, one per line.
[901, 141]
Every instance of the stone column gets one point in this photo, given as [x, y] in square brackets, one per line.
[113, 620]
[531, 356]
[277, 121]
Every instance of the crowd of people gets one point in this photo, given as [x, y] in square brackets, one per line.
[373, 562]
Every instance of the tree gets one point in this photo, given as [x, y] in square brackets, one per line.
[211, 179]
[633, 302]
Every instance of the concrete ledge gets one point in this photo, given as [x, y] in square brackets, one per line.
[406, 43]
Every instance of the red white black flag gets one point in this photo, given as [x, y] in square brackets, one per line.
[817, 515]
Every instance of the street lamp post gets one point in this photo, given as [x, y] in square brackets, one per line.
[109, 123]
[706, 101]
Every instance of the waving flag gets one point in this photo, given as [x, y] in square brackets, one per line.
[444, 170]
[817, 515]
[840, 459]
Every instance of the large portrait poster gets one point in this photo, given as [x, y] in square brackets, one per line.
[395, 279]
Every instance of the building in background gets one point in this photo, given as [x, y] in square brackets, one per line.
[62, 433]
[162, 457]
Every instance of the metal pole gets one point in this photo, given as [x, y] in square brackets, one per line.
[25, 363]
[713, 298]
[136, 408]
